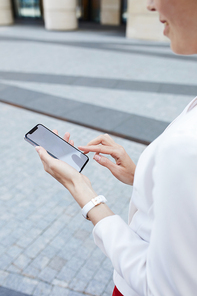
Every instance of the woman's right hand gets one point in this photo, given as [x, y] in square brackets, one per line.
[123, 168]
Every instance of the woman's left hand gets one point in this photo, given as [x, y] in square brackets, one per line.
[78, 184]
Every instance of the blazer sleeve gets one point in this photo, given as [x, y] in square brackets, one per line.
[166, 265]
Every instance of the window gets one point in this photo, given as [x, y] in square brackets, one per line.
[27, 8]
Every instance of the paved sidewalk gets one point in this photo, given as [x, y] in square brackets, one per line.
[98, 79]
[46, 246]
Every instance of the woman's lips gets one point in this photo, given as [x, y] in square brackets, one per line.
[166, 28]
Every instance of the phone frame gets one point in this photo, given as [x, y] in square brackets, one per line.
[36, 144]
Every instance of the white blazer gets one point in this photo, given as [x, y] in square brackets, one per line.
[156, 254]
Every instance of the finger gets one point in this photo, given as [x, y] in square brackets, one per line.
[98, 149]
[104, 161]
[102, 139]
[67, 136]
[84, 152]
[71, 142]
[55, 131]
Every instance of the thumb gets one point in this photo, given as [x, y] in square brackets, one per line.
[44, 156]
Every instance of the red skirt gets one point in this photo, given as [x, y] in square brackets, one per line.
[116, 292]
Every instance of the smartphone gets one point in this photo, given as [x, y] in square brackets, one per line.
[57, 147]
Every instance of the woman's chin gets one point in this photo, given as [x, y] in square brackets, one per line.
[182, 49]
[179, 44]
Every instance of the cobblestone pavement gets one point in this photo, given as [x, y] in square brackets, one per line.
[160, 80]
[46, 247]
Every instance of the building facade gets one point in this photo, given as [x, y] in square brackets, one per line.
[65, 15]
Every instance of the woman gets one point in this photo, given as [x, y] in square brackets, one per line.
[156, 253]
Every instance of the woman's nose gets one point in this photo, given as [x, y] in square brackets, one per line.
[151, 5]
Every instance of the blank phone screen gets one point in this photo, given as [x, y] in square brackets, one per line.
[41, 136]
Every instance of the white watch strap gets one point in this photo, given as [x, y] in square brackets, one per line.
[91, 204]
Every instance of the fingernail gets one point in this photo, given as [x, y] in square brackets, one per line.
[97, 157]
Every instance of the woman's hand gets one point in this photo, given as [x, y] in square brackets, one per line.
[78, 184]
[123, 168]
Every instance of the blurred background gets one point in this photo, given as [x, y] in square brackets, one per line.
[86, 10]
[64, 15]
[87, 67]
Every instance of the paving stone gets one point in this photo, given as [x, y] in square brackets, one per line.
[93, 265]
[105, 294]
[85, 274]
[110, 287]
[13, 281]
[5, 235]
[50, 251]
[97, 254]
[72, 210]
[59, 283]
[58, 291]
[57, 263]
[31, 271]
[42, 289]
[58, 210]
[36, 247]
[35, 217]
[81, 234]
[103, 276]
[50, 218]
[106, 264]
[42, 224]
[13, 269]
[58, 241]
[75, 263]
[66, 274]
[73, 243]
[66, 253]
[27, 225]
[5, 261]
[83, 253]
[27, 285]
[2, 249]
[66, 234]
[73, 293]
[47, 274]
[3, 276]
[22, 261]
[14, 251]
[33, 233]
[78, 285]
[24, 242]
[95, 287]
[55, 228]
[40, 262]
[89, 244]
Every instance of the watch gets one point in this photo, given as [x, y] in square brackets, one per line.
[91, 204]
